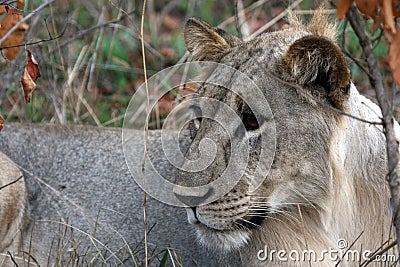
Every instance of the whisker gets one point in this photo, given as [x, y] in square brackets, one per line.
[254, 224]
[265, 216]
[302, 195]
[286, 214]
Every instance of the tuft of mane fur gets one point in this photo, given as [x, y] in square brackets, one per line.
[320, 24]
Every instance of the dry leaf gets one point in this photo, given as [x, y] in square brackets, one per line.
[11, 10]
[342, 8]
[394, 57]
[1, 122]
[20, 4]
[387, 13]
[17, 37]
[2, 9]
[368, 7]
[28, 85]
[32, 66]
[30, 75]
[396, 8]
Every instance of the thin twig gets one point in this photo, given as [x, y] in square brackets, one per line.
[311, 12]
[146, 132]
[325, 105]
[249, 8]
[44, 185]
[16, 26]
[107, 23]
[96, 51]
[12, 258]
[86, 31]
[243, 23]
[379, 253]
[348, 53]
[273, 21]
[392, 146]
[13, 182]
[349, 247]
[51, 38]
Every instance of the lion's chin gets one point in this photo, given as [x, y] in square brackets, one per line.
[224, 241]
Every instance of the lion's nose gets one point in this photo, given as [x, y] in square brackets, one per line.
[193, 196]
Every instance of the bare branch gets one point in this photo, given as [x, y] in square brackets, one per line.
[273, 21]
[392, 146]
[325, 105]
[86, 31]
[51, 38]
[16, 26]
[355, 60]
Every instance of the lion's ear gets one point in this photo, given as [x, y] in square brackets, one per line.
[317, 61]
[205, 42]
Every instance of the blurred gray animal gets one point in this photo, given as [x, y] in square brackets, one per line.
[85, 208]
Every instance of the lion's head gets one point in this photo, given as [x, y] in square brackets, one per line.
[327, 175]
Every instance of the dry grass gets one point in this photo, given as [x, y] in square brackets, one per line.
[92, 71]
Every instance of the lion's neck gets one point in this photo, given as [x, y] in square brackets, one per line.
[358, 197]
[291, 234]
[358, 159]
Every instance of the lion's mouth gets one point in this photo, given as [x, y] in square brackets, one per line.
[227, 224]
[224, 235]
[220, 221]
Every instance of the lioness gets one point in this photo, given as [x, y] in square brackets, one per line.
[12, 205]
[326, 188]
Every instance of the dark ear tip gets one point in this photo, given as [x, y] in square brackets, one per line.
[194, 21]
[190, 20]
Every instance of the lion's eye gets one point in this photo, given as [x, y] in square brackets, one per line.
[250, 122]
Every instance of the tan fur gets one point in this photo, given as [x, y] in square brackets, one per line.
[327, 180]
[206, 46]
[319, 25]
[12, 206]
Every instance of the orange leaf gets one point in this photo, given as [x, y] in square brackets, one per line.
[31, 73]
[396, 8]
[368, 7]
[11, 10]
[28, 85]
[20, 3]
[342, 8]
[394, 57]
[1, 122]
[32, 66]
[17, 37]
[2, 9]
[387, 13]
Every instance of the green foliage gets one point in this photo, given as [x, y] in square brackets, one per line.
[112, 66]
[164, 259]
[352, 47]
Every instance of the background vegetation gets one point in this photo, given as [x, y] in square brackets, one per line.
[89, 74]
